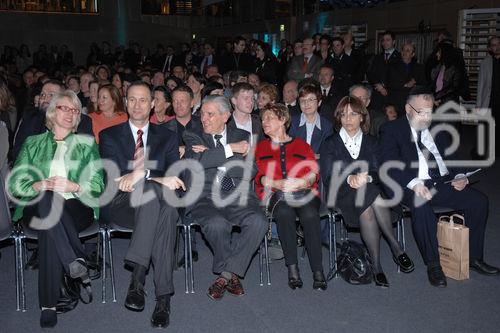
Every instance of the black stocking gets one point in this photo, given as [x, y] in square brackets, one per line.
[384, 221]
[370, 233]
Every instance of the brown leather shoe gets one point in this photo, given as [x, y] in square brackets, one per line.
[234, 287]
[217, 289]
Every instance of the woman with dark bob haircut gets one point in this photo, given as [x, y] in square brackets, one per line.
[351, 145]
[287, 181]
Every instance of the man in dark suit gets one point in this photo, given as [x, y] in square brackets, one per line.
[343, 66]
[423, 178]
[377, 71]
[213, 146]
[242, 98]
[290, 94]
[238, 60]
[402, 75]
[140, 203]
[330, 95]
[208, 58]
[305, 65]
[34, 123]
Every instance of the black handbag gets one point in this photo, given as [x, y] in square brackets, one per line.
[353, 264]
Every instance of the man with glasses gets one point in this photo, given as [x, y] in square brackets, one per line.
[34, 122]
[305, 65]
[425, 180]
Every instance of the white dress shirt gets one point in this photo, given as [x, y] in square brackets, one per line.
[423, 168]
[227, 148]
[310, 126]
[352, 144]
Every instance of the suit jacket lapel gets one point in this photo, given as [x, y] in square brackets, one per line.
[152, 144]
[208, 139]
[128, 143]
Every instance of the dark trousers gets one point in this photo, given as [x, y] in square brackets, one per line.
[59, 245]
[153, 239]
[308, 214]
[471, 202]
[232, 252]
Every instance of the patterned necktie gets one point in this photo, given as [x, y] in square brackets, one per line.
[139, 152]
[429, 158]
[226, 183]
[305, 64]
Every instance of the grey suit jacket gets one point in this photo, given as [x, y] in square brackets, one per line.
[213, 157]
[295, 70]
[484, 83]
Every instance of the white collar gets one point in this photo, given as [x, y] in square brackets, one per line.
[317, 123]
[134, 129]
[347, 138]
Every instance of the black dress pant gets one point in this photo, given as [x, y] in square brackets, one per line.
[59, 245]
[308, 214]
[471, 202]
[154, 223]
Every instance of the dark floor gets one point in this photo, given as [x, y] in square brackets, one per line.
[409, 305]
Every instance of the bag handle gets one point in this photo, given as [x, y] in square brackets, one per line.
[458, 216]
[449, 218]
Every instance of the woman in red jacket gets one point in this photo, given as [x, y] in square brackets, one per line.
[287, 180]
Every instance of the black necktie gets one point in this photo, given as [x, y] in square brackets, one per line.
[226, 183]
[324, 92]
[429, 158]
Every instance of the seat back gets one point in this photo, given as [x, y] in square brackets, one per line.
[5, 218]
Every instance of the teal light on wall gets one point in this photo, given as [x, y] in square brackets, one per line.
[321, 21]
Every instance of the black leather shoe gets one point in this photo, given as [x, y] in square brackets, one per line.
[294, 280]
[135, 296]
[32, 262]
[381, 280]
[483, 268]
[48, 318]
[404, 262]
[319, 281]
[161, 314]
[436, 276]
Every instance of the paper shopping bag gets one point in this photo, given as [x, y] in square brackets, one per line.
[453, 240]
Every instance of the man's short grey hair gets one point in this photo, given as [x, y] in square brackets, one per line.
[427, 97]
[362, 86]
[223, 104]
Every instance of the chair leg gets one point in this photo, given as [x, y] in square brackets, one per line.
[266, 255]
[190, 256]
[22, 287]
[104, 236]
[261, 264]
[184, 229]
[111, 266]
[403, 237]
[398, 228]
[18, 260]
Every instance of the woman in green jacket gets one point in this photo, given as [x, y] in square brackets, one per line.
[56, 183]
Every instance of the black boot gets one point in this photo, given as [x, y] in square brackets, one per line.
[319, 281]
[294, 280]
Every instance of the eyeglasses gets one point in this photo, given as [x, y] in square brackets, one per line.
[47, 95]
[424, 112]
[349, 114]
[67, 109]
[307, 101]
